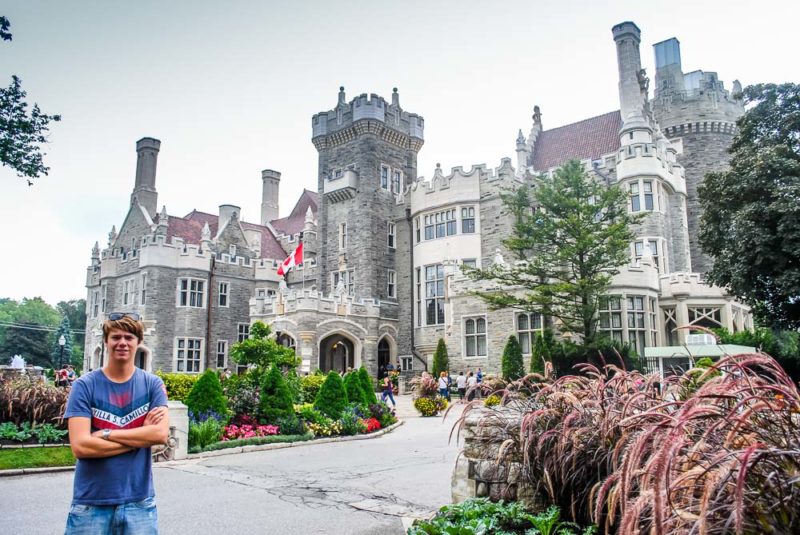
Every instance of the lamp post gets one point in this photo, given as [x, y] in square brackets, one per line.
[61, 342]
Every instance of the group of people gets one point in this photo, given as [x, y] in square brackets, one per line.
[466, 385]
[65, 376]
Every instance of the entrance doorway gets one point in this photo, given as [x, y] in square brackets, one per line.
[337, 353]
[140, 359]
[384, 356]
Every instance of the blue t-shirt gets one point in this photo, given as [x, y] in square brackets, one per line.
[127, 477]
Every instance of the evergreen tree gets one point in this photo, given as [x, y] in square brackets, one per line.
[513, 367]
[331, 398]
[367, 387]
[206, 396]
[58, 356]
[440, 362]
[353, 388]
[541, 351]
[571, 234]
[276, 398]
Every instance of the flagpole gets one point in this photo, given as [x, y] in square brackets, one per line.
[303, 262]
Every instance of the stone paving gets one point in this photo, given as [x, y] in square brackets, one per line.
[357, 487]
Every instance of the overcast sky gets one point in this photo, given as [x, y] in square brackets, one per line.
[230, 87]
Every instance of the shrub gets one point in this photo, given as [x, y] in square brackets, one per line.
[352, 423]
[541, 352]
[293, 382]
[261, 350]
[513, 367]
[326, 428]
[206, 395]
[49, 434]
[291, 425]
[253, 441]
[353, 389]
[309, 414]
[430, 406]
[205, 433]
[367, 385]
[235, 432]
[331, 398]
[276, 399]
[243, 395]
[178, 385]
[440, 363]
[372, 425]
[381, 412]
[310, 385]
[25, 400]
[424, 386]
[491, 401]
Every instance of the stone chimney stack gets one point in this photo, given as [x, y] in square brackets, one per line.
[269, 195]
[144, 191]
[632, 80]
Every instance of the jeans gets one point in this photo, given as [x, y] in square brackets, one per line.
[132, 518]
[388, 393]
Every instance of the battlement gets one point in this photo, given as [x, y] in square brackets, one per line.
[440, 181]
[680, 285]
[370, 107]
[293, 300]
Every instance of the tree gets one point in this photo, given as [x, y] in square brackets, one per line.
[261, 350]
[512, 365]
[276, 398]
[26, 329]
[331, 398]
[353, 388]
[21, 133]
[206, 396]
[440, 361]
[570, 235]
[542, 349]
[751, 213]
[366, 385]
[58, 355]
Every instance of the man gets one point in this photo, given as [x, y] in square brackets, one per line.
[115, 414]
[461, 384]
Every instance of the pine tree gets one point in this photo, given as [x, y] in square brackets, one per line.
[331, 398]
[367, 387]
[542, 351]
[56, 354]
[206, 395]
[513, 368]
[276, 397]
[352, 386]
[440, 363]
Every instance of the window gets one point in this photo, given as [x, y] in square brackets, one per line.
[187, 358]
[611, 316]
[384, 177]
[419, 296]
[342, 236]
[232, 250]
[391, 285]
[191, 293]
[407, 364]
[397, 177]
[223, 294]
[347, 278]
[143, 300]
[671, 326]
[652, 311]
[475, 337]
[638, 251]
[529, 326]
[708, 317]
[336, 173]
[468, 220]
[636, 328]
[469, 262]
[243, 333]
[428, 227]
[95, 303]
[416, 228]
[440, 224]
[634, 189]
[648, 194]
[434, 294]
[390, 235]
[104, 301]
[128, 289]
[222, 354]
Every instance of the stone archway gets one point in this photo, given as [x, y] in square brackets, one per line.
[338, 352]
[143, 358]
[96, 358]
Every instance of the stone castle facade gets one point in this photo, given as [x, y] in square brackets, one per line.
[384, 248]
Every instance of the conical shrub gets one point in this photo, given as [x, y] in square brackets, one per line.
[352, 386]
[513, 367]
[276, 397]
[440, 363]
[206, 396]
[366, 386]
[331, 398]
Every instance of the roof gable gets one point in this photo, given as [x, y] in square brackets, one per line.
[295, 221]
[587, 139]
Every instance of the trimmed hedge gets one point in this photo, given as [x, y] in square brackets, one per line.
[178, 384]
[367, 385]
[254, 441]
[276, 398]
[331, 398]
[206, 395]
[352, 386]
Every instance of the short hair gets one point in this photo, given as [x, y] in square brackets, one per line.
[443, 374]
[125, 323]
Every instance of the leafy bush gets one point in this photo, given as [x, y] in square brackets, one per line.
[178, 385]
[253, 441]
[243, 393]
[276, 399]
[381, 412]
[513, 367]
[262, 351]
[331, 398]
[49, 434]
[291, 425]
[491, 401]
[205, 433]
[23, 399]
[440, 362]
[352, 422]
[326, 428]
[783, 346]
[206, 395]
[353, 389]
[424, 386]
[541, 352]
[10, 431]
[309, 414]
[367, 385]
[293, 382]
[479, 515]
[310, 385]
[430, 406]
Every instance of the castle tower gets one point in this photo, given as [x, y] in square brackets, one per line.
[698, 115]
[144, 191]
[269, 195]
[632, 85]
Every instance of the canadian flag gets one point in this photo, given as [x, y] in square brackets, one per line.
[293, 260]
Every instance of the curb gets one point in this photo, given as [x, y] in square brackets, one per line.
[217, 453]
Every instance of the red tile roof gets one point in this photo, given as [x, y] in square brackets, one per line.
[190, 228]
[587, 139]
[295, 221]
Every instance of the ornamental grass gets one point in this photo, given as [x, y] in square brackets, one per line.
[714, 450]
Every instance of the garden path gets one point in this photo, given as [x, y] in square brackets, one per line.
[357, 487]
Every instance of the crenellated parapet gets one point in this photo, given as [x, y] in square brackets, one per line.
[368, 114]
[305, 300]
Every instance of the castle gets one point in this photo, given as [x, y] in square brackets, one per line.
[382, 280]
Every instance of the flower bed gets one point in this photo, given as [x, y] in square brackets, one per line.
[235, 432]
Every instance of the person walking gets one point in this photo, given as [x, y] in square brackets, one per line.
[472, 383]
[387, 391]
[461, 385]
[115, 414]
[443, 386]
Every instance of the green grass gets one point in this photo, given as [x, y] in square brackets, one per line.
[35, 457]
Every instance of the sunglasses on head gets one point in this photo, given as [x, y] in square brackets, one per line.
[114, 316]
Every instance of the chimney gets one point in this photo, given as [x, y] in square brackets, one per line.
[269, 195]
[632, 80]
[144, 191]
[669, 76]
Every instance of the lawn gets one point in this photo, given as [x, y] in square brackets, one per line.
[35, 457]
